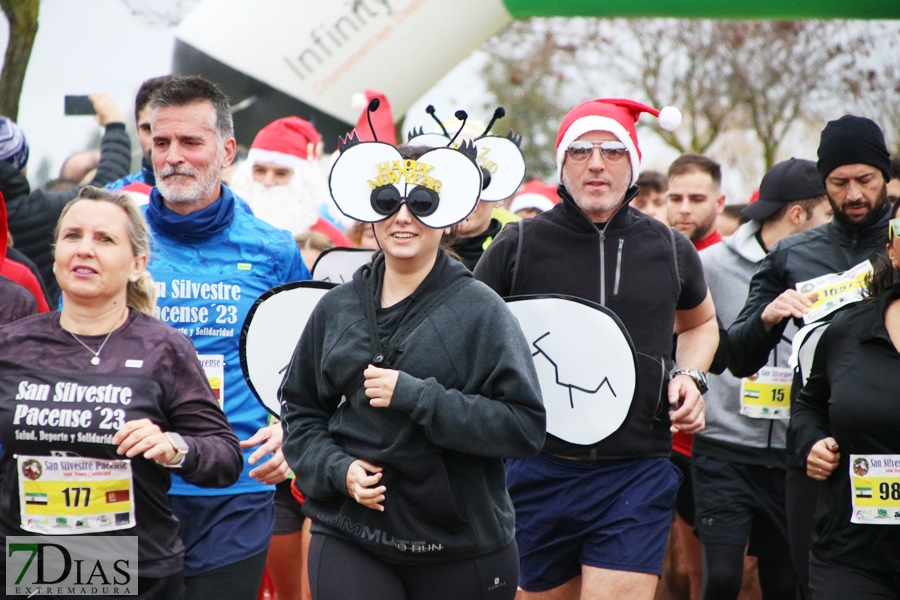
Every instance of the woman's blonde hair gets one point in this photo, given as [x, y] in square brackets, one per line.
[140, 294]
[313, 240]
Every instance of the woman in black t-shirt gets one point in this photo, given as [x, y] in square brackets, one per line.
[101, 400]
[847, 422]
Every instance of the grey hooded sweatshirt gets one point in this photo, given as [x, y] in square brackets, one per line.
[467, 397]
[729, 435]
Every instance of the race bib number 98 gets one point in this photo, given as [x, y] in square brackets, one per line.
[875, 488]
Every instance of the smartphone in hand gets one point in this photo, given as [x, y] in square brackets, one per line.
[78, 105]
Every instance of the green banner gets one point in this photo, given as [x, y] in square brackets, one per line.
[709, 9]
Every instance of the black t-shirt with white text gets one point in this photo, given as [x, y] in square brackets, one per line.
[55, 402]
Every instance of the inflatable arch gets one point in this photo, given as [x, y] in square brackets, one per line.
[308, 57]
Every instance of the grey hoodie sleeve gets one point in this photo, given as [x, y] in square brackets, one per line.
[307, 405]
[749, 343]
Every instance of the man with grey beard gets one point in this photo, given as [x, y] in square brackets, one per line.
[854, 165]
[210, 263]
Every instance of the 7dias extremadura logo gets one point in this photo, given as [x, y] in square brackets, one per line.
[67, 565]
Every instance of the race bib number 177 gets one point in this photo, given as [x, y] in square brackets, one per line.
[74, 495]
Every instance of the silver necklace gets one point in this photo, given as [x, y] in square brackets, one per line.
[96, 360]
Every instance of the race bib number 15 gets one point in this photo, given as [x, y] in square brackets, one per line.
[767, 395]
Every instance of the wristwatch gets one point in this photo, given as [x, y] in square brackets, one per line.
[697, 375]
[181, 450]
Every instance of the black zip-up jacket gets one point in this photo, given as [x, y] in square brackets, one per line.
[830, 248]
[629, 266]
[470, 249]
[851, 395]
[33, 215]
[467, 397]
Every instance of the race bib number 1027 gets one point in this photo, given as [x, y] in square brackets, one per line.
[836, 290]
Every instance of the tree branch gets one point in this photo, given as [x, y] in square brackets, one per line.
[23, 24]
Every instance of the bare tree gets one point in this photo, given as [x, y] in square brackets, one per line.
[725, 76]
[671, 62]
[876, 89]
[764, 76]
[23, 24]
[525, 74]
[781, 71]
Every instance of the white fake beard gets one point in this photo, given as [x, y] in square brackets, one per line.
[293, 206]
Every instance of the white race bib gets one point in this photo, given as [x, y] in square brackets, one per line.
[875, 488]
[74, 495]
[836, 290]
[214, 369]
[767, 395]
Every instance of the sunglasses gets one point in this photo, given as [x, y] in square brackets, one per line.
[893, 229]
[421, 201]
[612, 152]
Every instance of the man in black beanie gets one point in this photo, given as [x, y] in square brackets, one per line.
[854, 165]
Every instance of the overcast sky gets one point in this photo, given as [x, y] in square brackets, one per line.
[82, 47]
[88, 45]
[92, 45]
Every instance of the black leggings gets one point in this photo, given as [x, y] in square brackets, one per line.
[339, 570]
[237, 581]
[723, 571]
[836, 582]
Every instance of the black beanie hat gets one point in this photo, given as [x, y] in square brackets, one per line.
[853, 140]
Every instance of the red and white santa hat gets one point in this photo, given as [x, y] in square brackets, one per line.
[382, 119]
[289, 142]
[535, 194]
[138, 191]
[615, 115]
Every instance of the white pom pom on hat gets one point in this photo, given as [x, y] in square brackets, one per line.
[669, 118]
[615, 115]
[359, 102]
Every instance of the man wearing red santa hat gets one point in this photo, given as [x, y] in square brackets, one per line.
[592, 520]
[533, 198]
[282, 182]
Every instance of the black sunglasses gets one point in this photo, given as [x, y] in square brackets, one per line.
[421, 201]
